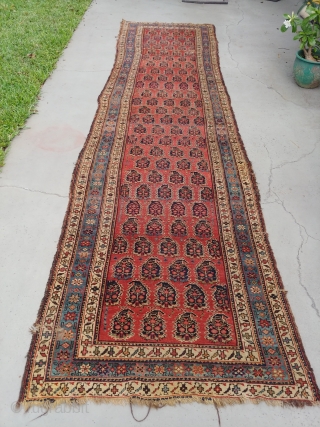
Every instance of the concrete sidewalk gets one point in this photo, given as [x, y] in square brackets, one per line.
[280, 125]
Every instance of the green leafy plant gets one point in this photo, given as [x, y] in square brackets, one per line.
[307, 30]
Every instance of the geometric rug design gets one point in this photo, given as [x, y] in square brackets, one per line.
[164, 288]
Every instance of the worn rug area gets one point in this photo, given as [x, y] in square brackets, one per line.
[164, 288]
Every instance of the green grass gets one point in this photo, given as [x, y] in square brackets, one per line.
[33, 33]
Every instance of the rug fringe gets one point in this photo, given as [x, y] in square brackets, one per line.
[50, 404]
[34, 329]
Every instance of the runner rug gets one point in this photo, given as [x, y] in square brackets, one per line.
[164, 288]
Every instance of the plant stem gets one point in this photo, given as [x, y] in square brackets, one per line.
[308, 54]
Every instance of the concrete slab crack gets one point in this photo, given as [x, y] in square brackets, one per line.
[270, 171]
[272, 168]
[313, 304]
[280, 202]
[229, 37]
[302, 229]
[299, 159]
[33, 191]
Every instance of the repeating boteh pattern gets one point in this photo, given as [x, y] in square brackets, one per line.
[164, 285]
[166, 273]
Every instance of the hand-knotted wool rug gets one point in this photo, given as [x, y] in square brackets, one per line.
[164, 288]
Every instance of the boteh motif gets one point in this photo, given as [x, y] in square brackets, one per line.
[186, 328]
[206, 272]
[183, 164]
[197, 178]
[176, 152]
[200, 210]
[135, 118]
[132, 139]
[183, 120]
[155, 177]
[169, 102]
[178, 271]
[193, 130]
[136, 150]
[218, 329]
[153, 326]
[168, 247]
[154, 228]
[156, 151]
[147, 140]
[214, 249]
[206, 194]
[161, 110]
[133, 176]
[195, 297]
[166, 295]
[157, 130]
[178, 209]
[122, 325]
[166, 140]
[151, 269]
[203, 229]
[123, 269]
[124, 191]
[113, 293]
[176, 178]
[193, 111]
[143, 163]
[194, 249]
[155, 208]
[201, 142]
[142, 246]
[144, 109]
[184, 141]
[163, 164]
[164, 288]
[130, 227]
[143, 191]
[221, 297]
[120, 245]
[203, 165]
[137, 294]
[133, 208]
[178, 228]
[195, 152]
[140, 129]
[152, 101]
[148, 119]
[185, 193]
[164, 192]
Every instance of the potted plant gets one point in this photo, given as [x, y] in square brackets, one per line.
[306, 67]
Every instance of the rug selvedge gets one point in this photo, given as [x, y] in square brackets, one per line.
[238, 342]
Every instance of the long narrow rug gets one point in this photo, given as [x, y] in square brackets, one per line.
[164, 288]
